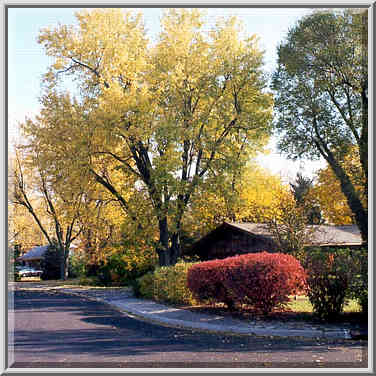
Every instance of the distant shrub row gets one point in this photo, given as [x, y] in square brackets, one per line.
[120, 267]
[265, 281]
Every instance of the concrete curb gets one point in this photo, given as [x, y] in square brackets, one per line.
[218, 329]
[234, 330]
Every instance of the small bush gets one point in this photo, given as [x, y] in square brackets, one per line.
[262, 280]
[123, 266]
[167, 284]
[145, 286]
[50, 264]
[358, 288]
[170, 284]
[77, 266]
[89, 281]
[329, 275]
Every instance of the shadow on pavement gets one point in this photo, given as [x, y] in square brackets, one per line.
[117, 335]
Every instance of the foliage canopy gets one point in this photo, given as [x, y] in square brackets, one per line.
[321, 97]
[153, 122]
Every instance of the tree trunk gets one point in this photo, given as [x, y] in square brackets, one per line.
[356, 206]
[168, 255]
[163, 248]
[64, 264]
[363, 144]
[175, 248]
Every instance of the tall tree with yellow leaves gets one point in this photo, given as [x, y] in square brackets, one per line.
[166, 116]
[253, 195]
[59, 203]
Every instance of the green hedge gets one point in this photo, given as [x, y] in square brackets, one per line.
[334, 275]
[358, 288]
[120, 267]
[166, 284]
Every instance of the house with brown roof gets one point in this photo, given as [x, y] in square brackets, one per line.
[230, 239]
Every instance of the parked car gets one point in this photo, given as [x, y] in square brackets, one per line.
[29, 272]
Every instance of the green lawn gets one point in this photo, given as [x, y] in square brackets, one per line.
[52, 282]
[302, 305]
[69, 283]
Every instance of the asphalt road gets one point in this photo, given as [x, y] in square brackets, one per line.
[56, 330]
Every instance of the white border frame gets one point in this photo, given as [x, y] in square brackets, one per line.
[210, 3]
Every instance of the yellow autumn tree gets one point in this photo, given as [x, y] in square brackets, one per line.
[260, 193]
[52, 199]
[22, 229]
[328, 190]
[102, 227]
[253, 195]
[167, 117]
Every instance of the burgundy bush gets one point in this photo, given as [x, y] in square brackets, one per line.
[262, 280]
[205, 280]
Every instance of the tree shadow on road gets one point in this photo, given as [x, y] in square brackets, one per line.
[114, 336]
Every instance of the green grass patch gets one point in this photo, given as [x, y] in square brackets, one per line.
[29, 279]
[303, 305]
[87, 282]
[53, 282]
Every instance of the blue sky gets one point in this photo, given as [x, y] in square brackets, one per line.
[27, 61]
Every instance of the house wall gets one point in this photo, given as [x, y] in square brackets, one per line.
[336, 246]
[228, 241]
[232, 243]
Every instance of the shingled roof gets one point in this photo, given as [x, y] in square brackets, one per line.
[337, 235]
[35, 253]
[322, 235]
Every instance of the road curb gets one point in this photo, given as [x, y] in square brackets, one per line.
[216, 329]
[258, 332]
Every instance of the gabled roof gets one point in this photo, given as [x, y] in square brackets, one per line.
[322, 235]
[35, 253]
[254, 229]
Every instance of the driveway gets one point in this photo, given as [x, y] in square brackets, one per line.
[56, 330]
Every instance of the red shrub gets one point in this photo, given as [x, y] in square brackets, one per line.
[205, 280]
[262, 280]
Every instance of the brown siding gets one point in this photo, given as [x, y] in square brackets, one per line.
[229, 240]
[231, 243]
